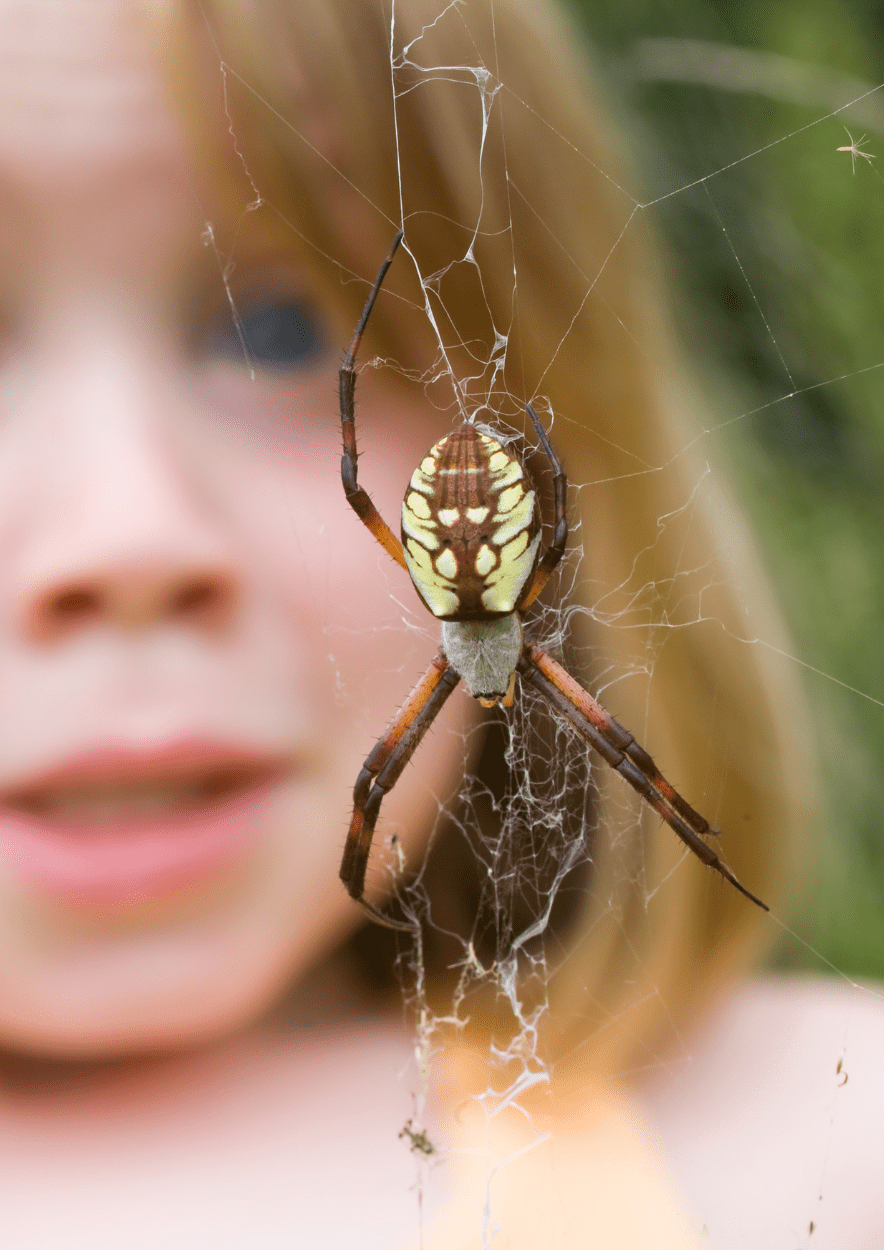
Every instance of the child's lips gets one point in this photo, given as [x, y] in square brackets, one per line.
[134, 800]
[120, 826]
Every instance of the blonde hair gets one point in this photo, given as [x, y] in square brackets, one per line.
[565, 269]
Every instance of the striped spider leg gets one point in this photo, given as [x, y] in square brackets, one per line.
[618, 748]
[471, 536]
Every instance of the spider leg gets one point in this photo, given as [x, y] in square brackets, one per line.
[556, 549]
[383, 768]
[357, 497]
[618, 748]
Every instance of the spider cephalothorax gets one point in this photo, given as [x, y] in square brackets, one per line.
[471, 530]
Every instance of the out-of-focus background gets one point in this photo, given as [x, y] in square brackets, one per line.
[780, 261]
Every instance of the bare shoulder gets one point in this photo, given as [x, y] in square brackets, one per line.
[772, 1115]
[270, 1141]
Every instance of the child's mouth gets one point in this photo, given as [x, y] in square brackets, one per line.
[117, 827]
[135, 801]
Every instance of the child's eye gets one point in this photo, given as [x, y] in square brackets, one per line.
[276, 334]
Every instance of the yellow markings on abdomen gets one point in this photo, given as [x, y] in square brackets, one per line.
[417, 512]
[514, 549]
[418, 505]
[517, 519]
[446, 564]
[433, 586]
[506, 474]
[419, 555]
[505, 583]
[508, 498]
[470, 527]
[485, 560]
[421, 531]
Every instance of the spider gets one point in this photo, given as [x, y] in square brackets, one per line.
[471, 530]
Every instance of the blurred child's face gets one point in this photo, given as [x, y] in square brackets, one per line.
[198, 644]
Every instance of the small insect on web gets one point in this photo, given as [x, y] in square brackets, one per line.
[471, 530]
[855, 149]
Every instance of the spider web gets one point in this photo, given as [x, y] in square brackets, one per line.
[532, 832]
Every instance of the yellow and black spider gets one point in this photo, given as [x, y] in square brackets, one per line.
[471, 530]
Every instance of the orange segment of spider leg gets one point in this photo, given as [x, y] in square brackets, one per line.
[619, 749]
[618, 737]
[357, 497]
[361, 503]
[383, 768]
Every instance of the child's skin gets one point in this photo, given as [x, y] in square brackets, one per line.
[179, 566]
[182, 578]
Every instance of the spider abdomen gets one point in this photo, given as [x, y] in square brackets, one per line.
[470, 527]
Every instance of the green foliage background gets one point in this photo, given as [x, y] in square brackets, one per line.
[702, 84]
